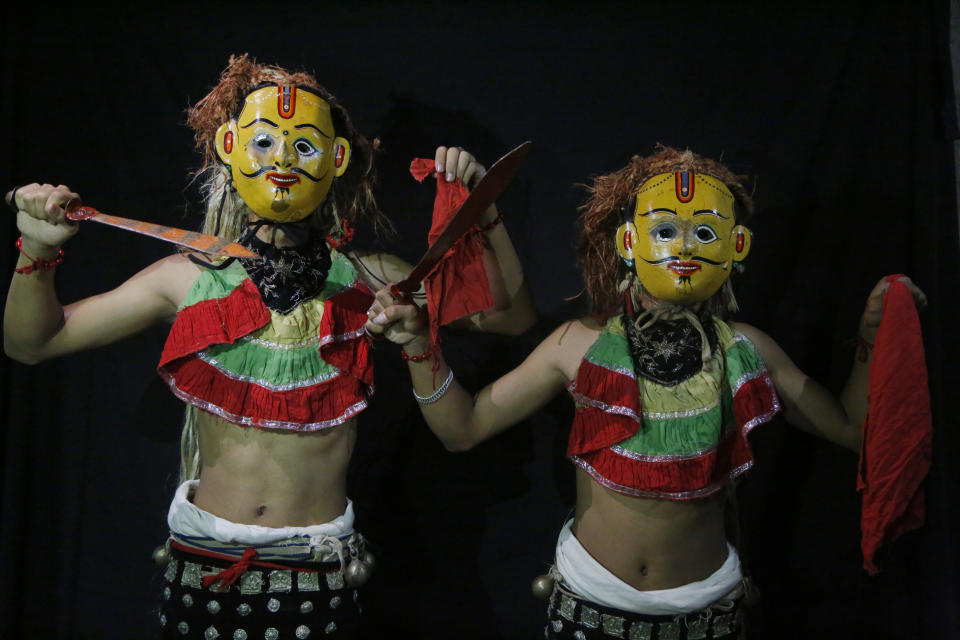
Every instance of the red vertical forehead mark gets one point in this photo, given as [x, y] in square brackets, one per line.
[286, 100]
[684, 181]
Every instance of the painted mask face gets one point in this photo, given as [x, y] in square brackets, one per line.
[283, 152]
[683, 239]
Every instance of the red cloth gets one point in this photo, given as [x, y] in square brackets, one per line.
[896, 450]
[232, 573]
[457, 286]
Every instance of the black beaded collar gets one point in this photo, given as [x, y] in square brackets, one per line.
[669, 351]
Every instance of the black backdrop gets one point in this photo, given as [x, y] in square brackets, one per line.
[843, 112]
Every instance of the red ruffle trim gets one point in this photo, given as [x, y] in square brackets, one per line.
[215, 321]
[322, 405]
[681, 478]
[343, 342]
[598, 427]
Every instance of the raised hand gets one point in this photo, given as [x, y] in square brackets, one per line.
[457, 162]
[41, 217]
[873, 311]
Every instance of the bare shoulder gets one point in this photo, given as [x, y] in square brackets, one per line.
[569, 342]
[751, 332]
[170, 277]
[773, 356]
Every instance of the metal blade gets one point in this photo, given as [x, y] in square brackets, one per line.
[482, 196]
[191, 239]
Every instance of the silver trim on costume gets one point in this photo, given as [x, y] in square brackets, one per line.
[747, 377]
[218, 411]
[640, 457]
[603, 406]
[764, 417]
[279, 346]
[630, 373]
[343, 337]
[686, 413]
[679, 495]
[299, 384]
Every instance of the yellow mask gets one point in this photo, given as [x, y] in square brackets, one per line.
[683, 239]
[283, 152]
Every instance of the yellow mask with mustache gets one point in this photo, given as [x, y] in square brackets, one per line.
[283, 152]
[683, 239]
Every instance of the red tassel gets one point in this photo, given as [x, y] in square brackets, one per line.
[232, 573]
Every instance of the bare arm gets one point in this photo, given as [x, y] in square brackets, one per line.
[459, 419]
[35, 325]
[808, 405]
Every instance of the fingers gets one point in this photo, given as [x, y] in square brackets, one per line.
[54, 206]
[455, 163]
[440, 159]
[874, 309]
[451, 163]
[919, 297]
[396, 313]
[42, 201]
[472, 173]
[398, 321]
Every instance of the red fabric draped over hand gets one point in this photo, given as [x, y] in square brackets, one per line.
[457, 286]
[896, 449]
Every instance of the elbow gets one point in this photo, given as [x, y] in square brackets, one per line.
[22, 357]
[523, 322]
[15, 352]
[458, 444]
[524, 312]
[514, 323]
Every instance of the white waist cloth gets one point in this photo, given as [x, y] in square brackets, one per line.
[189, 521]
[588, 579]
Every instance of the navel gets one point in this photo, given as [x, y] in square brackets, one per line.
[262, 509]
[643, 569]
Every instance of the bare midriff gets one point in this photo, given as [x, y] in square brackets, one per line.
[648, 543]
[271, 477]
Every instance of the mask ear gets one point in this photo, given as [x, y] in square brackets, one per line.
[626, 233]
[341, 156]
[225, 140]
[740, 237]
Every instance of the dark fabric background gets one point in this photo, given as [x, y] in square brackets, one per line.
[843, 112]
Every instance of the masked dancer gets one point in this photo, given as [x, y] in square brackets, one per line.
[666, 390]
[269, 353]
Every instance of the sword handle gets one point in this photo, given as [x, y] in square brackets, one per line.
[401, 296]
[74, 211]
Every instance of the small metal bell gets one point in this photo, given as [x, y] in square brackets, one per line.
[542, 586]
[357, 573]
[161, 555]
[368, 559]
